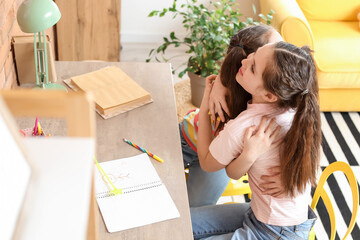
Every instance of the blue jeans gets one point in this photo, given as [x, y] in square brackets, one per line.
[237, 221]
[204, 188]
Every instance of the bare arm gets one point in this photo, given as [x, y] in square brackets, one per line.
[217, 100]
[255, 144]
[207, 161]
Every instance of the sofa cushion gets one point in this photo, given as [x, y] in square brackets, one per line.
[339, 80]
[335, 10]
[337, 46]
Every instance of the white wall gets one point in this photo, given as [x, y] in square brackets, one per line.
[137, 27]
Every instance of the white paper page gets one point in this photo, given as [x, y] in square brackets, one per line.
[145, 199]
[126, 173]
[14, 176]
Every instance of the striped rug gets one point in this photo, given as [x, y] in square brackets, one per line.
[341, 142]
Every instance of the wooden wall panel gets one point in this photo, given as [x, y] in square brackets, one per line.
[89, 30]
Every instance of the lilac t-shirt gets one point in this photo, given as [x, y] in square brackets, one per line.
[228, 145]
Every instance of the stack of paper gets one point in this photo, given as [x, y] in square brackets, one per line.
[114, 92]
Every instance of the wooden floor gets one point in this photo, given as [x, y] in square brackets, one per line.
[138, 52]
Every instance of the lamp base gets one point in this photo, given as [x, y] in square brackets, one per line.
[51, 86]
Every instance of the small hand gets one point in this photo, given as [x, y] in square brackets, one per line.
[217, 100]
[272, 184]
[208, 87]
[262, 141]
[209, 82]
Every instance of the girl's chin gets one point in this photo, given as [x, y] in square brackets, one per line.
[238, 79]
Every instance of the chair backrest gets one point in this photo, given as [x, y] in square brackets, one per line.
[75, 107]
[320, 192]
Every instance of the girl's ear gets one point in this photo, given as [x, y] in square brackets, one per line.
[269, 97]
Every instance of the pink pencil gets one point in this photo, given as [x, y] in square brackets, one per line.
[36, 126]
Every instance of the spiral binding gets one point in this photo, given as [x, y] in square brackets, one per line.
[127, 190]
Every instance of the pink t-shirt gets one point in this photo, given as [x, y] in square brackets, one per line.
[228, 145]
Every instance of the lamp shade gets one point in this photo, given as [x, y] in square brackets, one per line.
[37, 15]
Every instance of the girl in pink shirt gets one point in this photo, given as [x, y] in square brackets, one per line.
[205, 188]
[281, 79]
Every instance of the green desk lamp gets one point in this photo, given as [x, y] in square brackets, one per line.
[34, 16]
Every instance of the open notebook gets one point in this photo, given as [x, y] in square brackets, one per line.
[144, 200]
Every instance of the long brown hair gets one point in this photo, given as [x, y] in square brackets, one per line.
[246, 41]
[291, 76]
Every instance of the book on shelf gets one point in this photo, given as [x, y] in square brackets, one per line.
[113, 90]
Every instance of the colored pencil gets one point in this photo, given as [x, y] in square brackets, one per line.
[143, 150]
[36, 126]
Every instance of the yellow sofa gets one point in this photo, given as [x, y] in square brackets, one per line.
[331, 29]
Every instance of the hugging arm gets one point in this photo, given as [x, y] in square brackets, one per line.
[264, 137]
[207, 162]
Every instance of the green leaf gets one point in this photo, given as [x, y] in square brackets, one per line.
[254, 9]
[249, 20]
[187, 40]
[182, 73]
[164, 59]
[234, 19]
[262, 16]
[151, 51]
[163, 12]
[172, 36]
[153, 13]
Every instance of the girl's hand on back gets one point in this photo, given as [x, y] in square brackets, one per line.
[272, 184]
[217, 101]
[257, 142]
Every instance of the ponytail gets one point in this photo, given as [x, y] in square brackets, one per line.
[300, 152]
[293, 79]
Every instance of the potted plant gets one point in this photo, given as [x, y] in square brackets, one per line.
[209, 29]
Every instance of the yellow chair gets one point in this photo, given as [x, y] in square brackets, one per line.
[332, 30]
[235, 187]
[238, 187]
[320, 192]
